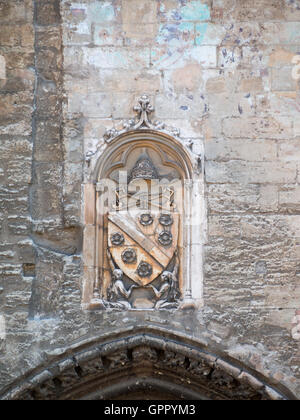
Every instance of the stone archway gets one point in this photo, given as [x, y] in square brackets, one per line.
[144, 364]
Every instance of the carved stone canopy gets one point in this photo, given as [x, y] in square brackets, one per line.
[143, 121]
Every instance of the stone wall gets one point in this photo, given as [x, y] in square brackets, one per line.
[225, 73]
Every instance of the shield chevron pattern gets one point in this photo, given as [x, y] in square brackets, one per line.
[142, 245]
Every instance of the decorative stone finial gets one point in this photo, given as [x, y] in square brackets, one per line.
[143, 121]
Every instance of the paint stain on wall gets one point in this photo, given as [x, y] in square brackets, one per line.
[187, 31]
[101, 12]
[200, 29]
[195, 10]
[188, 11]
[176, 34]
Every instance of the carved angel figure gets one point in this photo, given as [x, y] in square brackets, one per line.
[168, 294]
[117, 291]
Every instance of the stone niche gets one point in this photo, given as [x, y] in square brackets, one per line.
[143, 219]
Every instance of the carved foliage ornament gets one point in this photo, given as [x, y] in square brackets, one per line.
[143, 121]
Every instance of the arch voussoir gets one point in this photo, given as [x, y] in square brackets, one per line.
[145, 362]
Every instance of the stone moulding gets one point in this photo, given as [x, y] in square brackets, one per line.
[149, 360]
[113, 154]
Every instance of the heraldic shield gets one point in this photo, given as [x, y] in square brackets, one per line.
[143, 233]
[142, 245]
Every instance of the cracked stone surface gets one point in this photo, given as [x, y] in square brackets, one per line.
[224, 72]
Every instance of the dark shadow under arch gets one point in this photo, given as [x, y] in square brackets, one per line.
[144, 364]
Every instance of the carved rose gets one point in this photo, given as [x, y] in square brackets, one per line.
[117, 239]
[144, 269]
[165, 238]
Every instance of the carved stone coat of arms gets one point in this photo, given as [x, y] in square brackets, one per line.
[138, 245]
[142, 248]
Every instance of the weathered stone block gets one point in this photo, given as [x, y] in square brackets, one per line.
[47, 12]
[139, 34]
[12, 12]
[90, 207]
[47, 99]
[265, 127]
[135, 11]
[289, 150]
[108, 35]
[286, 297]
[27, 36]
[46, 203]
[48, 37]
[289, 198]
[250, 172]
[89, 246]
[18, 60]
[253, 150]
[93, 105]
[116, 58]
[234, 104]
[254, 84]
[94, 129]
[146, 80]
[48, 61]
[255, 57]
[282, 79]
[262, 10]
[2, 68]
[48, 174]
[173, 58]
[17, 147]
[183, 106]
[187, 78]
[268, 198]
[48, 128]
[123, 104]
[9, 38]
[18, 128]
